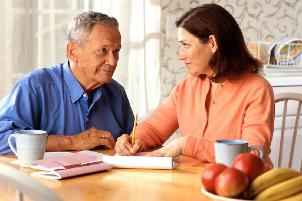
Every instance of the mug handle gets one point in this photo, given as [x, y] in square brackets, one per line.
[258, 149]
[10, 143]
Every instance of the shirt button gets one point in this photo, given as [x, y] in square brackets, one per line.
[84, 95]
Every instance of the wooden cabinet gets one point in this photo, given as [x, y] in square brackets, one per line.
[286, 84]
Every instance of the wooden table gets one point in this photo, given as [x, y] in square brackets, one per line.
[182, 183]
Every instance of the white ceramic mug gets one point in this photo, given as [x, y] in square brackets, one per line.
[30, 145]
[227, 150]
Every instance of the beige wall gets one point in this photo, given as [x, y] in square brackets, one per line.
[259, 20]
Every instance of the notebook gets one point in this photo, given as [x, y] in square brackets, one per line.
[139, 161]
[73, 164]
[84, 162]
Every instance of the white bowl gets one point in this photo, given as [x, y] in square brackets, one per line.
[217, 197]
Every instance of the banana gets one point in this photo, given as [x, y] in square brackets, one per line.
[297, 197]
[281, 190]
[270, 178]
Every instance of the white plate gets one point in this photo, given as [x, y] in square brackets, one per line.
[217, 197]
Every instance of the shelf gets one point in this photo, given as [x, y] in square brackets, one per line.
[284, 80]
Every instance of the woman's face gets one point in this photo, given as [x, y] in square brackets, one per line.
[196, 54]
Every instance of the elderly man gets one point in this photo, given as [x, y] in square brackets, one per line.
[76, 102]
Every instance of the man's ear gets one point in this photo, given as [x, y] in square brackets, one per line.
[213, 44]
[72, 51]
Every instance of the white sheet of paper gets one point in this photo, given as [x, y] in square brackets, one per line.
[144, 162]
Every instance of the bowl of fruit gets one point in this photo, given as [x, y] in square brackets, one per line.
[219, 198]
[250, 179]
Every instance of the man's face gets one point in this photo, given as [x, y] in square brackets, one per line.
[98, 56]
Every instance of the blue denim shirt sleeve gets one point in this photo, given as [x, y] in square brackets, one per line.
[17, 111]
[51, 99]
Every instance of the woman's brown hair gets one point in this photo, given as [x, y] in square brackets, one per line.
[232, 57]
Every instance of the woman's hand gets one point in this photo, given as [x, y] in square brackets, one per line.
[123, 145]
[173, 149]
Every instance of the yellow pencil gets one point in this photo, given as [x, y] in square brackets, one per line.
[133, 130]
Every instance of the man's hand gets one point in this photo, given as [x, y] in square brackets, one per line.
[92, 138]
[173, 149]
[88, 139]
[123, 145]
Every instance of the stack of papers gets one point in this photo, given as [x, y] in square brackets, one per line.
[84, 162]
[144, 162]
[73, 164]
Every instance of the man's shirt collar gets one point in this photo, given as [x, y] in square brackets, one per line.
[75, 89]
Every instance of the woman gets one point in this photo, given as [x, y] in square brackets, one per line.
[222, 98]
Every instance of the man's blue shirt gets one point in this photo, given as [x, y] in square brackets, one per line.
[52, 99]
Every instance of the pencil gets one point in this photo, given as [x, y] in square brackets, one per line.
[133, 130]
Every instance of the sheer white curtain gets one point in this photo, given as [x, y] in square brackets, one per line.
[34, 35]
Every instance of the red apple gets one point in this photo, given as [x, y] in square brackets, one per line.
[209, 175]
[250, 164]
[267, 167]
[231, 183]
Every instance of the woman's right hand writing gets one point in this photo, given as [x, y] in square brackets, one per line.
[123, 145]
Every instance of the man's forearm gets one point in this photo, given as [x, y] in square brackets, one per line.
[59, 143]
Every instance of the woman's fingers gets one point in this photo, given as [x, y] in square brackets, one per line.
[123, 146]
